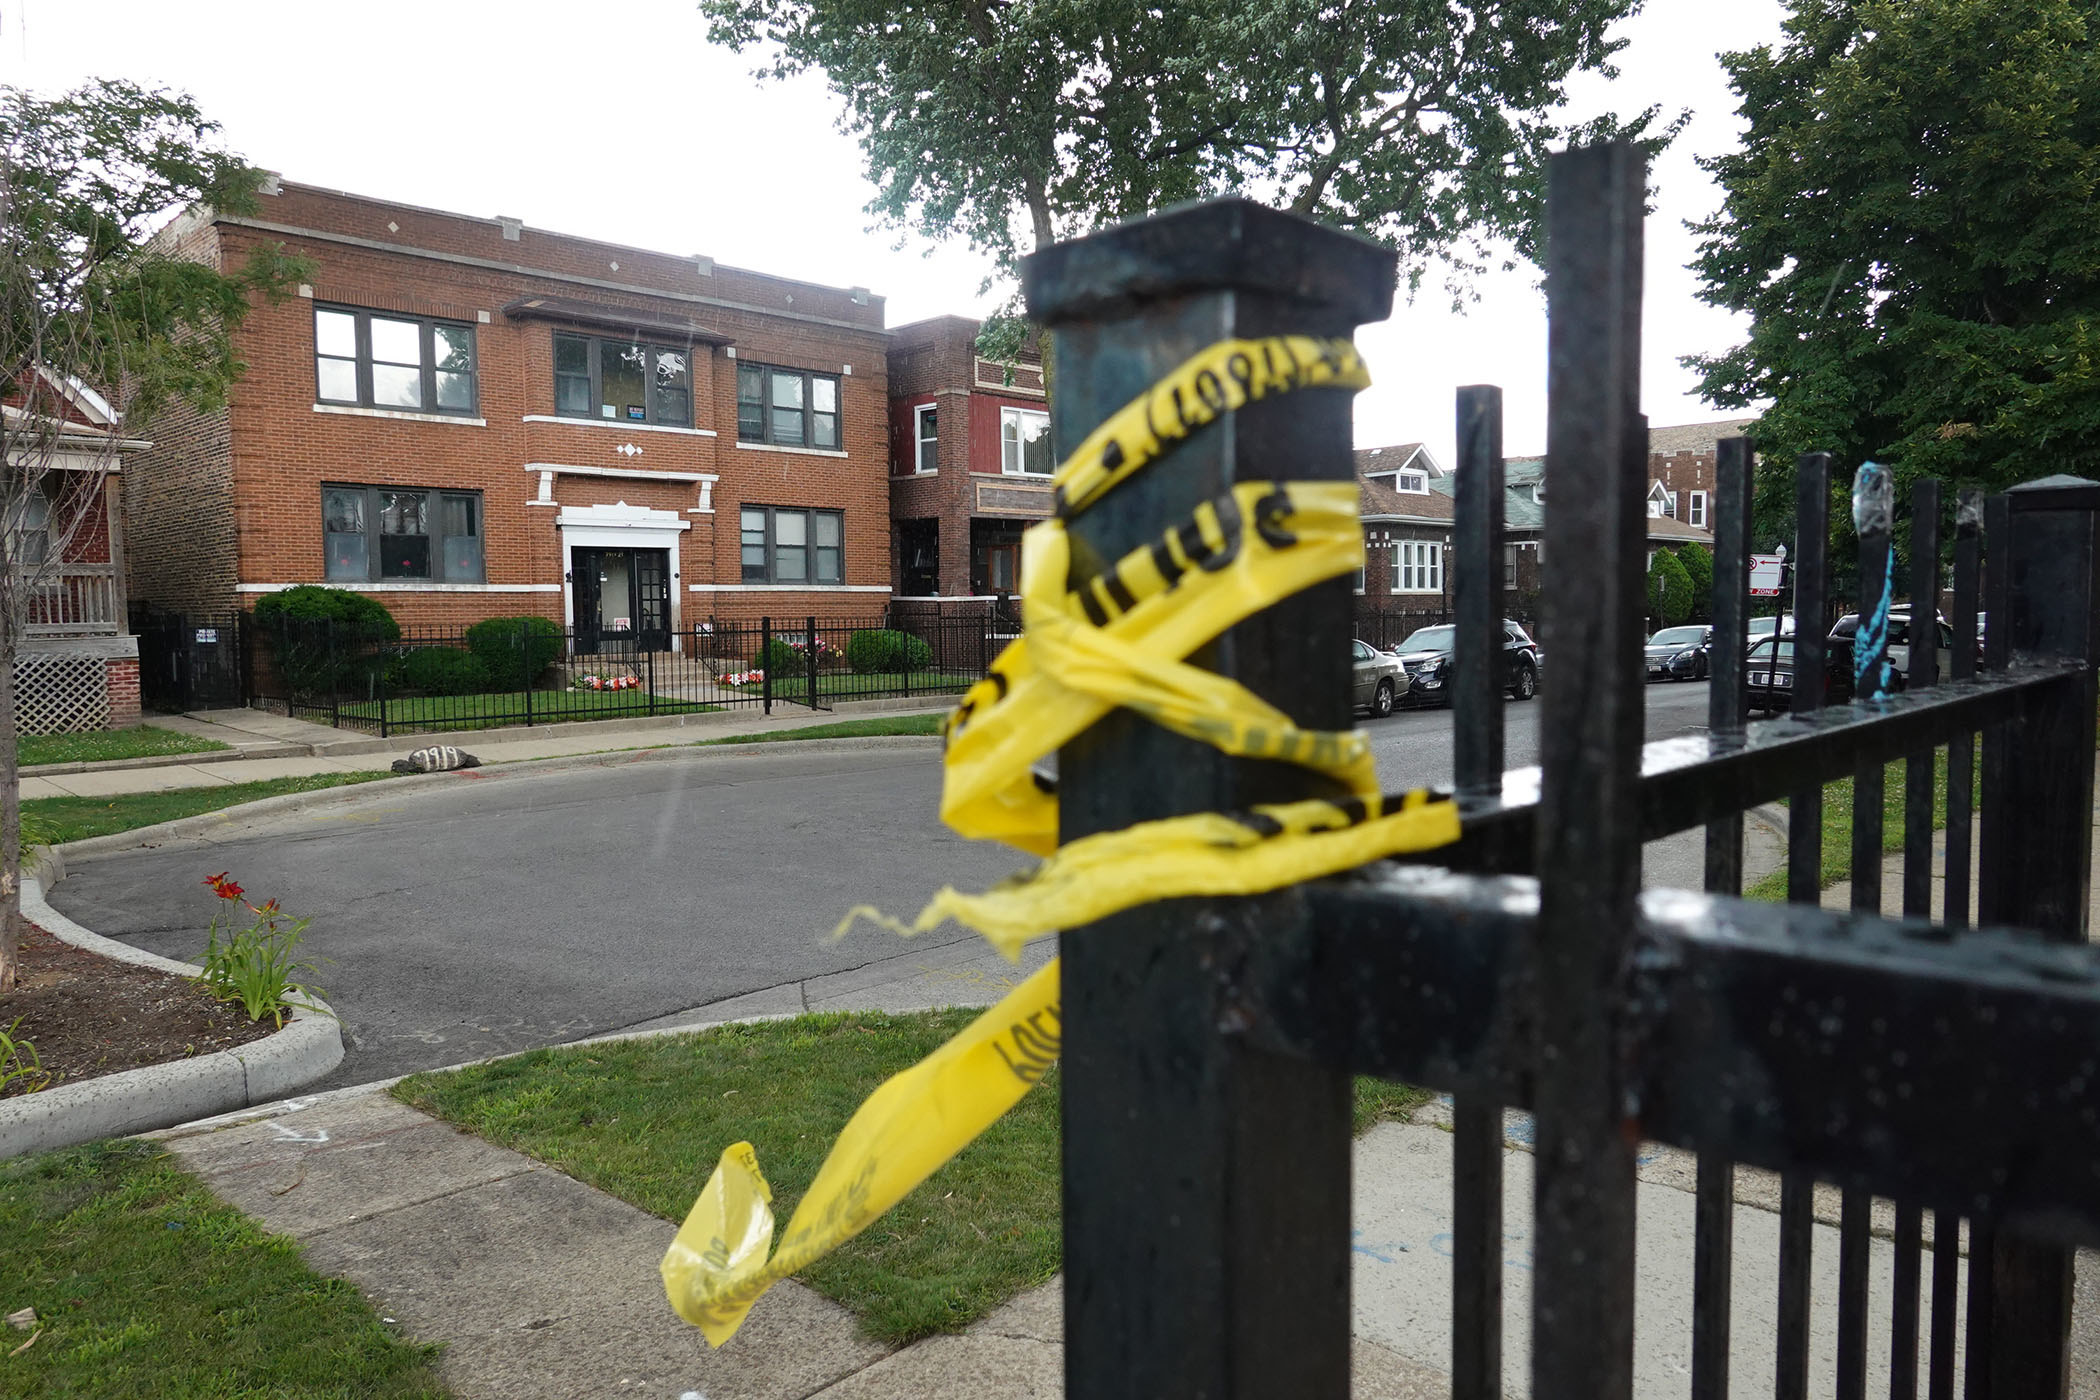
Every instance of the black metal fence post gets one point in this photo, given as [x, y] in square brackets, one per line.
[810, 654]
[525, 668]
[1588, 852]
[1206, 1183]
[2048, 564]
[765, 663]
[651, 682]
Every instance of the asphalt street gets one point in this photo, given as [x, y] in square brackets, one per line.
[512, 909]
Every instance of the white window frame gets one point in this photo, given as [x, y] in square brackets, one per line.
[920, 441]
[1418, 566]
[1012, 460]
[1411, 483]
[1697, 509]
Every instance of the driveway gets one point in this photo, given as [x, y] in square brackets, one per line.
[505, 910]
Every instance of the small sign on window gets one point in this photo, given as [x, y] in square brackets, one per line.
[207, 634]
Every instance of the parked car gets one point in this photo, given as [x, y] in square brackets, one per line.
[1381, 679]
[1839, 645]
[1783, 624]
[1769, 674]
[1680, 653]
[1427, 652]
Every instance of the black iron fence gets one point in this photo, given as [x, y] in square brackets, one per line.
[191, 661]
[531, 671]
[1946, 1068]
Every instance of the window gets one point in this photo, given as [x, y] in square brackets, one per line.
[1418, 567]
[787, 407]
[1698, 507]
[374, 359]
[624, 380]
[1024, 442]
[386, 533]
[926, 436]
[1413, 483]
[792, 546]
[29, 542]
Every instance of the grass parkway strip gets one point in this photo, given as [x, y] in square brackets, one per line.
[102, 745]
[48, 821]
[144, 1285]
[645, 1120]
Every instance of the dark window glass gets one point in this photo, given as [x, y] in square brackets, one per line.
[787, 407]
[622, 381]
[372, 533]
[792, 546]
[377, 360]
[750, 403]
[572, 375]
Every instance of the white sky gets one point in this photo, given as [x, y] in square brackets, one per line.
[618, 121]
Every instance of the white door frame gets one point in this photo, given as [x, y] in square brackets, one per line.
[619, 526]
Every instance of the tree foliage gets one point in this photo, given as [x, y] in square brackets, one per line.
[1422, 124]
[1909, 224]
[1698, 563]
[1669, 590]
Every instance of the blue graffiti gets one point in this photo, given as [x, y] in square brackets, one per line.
[1375, 1251]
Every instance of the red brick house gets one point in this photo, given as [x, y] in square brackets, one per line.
[76, 664]
[468, 417]
[1681, 469]
[970, 461]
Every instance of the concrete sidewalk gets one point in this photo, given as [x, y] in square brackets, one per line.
[264, 746]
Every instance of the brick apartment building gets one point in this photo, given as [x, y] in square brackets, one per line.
[1407, 531]
[467, 417]
[1681, 469]
[970, 461]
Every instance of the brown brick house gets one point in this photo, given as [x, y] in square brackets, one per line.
[1407, 536]
[1681, 469]
[467, 417]
[970, 461]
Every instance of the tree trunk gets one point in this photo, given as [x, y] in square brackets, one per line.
[10, 818]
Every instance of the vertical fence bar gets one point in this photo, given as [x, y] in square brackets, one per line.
[1976, 1336]
[765, 663]
[2037, 873]
[1804, 886]
[1477, 722]
[1727, 704]
[1903, 1318]
[1946, 1283]
[1961, 752]
[809, 633]
[1918, 775]
[525, 666]
[650, 683]
[1208, 1254]
[1589, 851]
[1872, 513]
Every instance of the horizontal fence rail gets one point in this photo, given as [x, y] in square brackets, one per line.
[535, 673]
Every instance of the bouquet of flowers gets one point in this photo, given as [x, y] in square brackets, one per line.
[596, 682]
[755, 677]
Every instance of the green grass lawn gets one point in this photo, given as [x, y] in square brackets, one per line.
[1837, 824]
[146, 741]
[845, 685]
[50, 820]
[879, 726]
[146, 1286]
[645, 1120]
[494, 710]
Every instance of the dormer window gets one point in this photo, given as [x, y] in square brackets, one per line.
[1412, 483]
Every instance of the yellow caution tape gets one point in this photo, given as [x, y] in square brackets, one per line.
[1118, 642]
[717, 1266]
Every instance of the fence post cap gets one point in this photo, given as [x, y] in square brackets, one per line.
[1215, 245]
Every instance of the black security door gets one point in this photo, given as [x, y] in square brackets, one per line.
[652, 599]
[583, 578]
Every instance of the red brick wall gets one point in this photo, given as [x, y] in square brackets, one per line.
[278, 451]
[1684, 473]
[123, 681]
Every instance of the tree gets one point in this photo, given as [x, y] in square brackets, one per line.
[92, 311]
[1698, 563]
[1909, 226]
[1669, 590]
[1423, 125]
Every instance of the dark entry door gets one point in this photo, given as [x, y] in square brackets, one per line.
[623, 598]
[652, 599]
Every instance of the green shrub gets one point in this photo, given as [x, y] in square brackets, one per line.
[1669, 590]
[322, 637]
[515, 649]
[885, 649]
[443, 671]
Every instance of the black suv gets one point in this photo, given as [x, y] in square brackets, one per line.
[1427, 653]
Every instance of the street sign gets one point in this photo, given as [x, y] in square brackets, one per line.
[1765, 572]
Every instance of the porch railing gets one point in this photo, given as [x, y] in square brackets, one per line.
[73, 600]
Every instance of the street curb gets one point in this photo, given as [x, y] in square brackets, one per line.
[158, 1096]
[206, 822]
